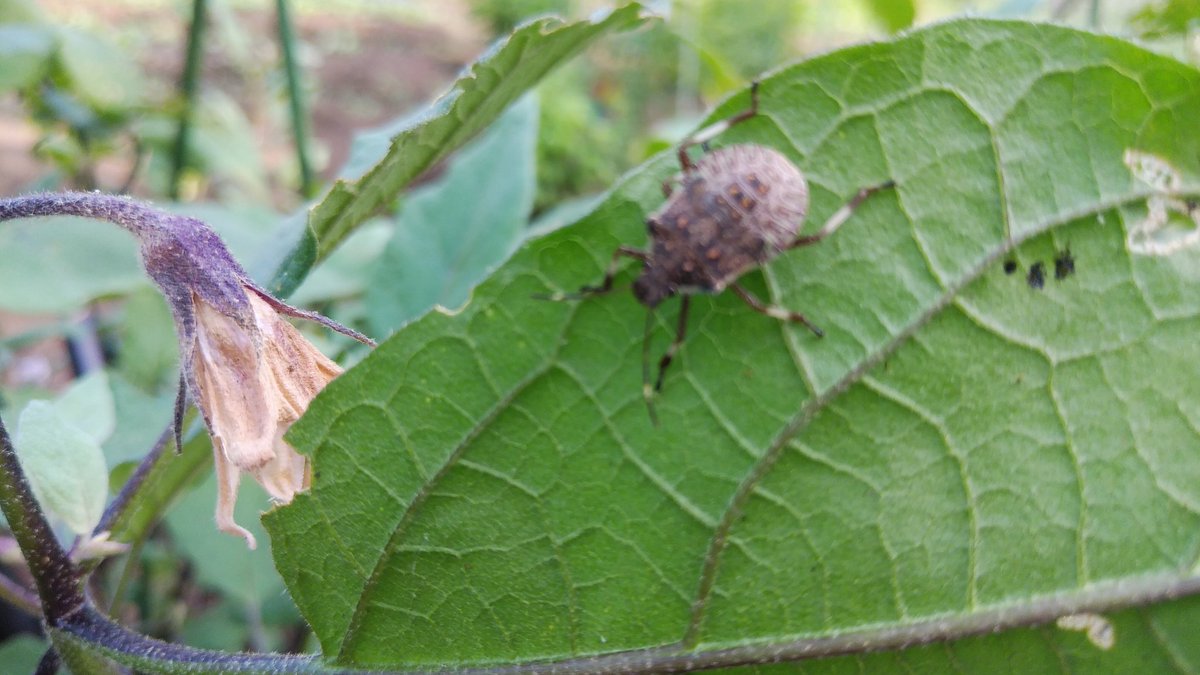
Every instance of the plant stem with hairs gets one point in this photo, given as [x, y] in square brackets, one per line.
[188, 86]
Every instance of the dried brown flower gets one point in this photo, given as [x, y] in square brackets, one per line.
[250, 371]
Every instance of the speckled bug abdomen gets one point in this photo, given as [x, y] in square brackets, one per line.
[739, 207]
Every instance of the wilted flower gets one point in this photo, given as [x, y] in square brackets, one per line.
[251, 373]
[252, 385]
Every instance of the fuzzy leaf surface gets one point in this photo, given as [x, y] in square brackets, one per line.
[961, 452]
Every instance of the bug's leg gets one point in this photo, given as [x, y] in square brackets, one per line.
[177, 418]
[716, 129]
[607, 284]
[647, 390]
[840, 216]
[680, 334]
[668, 185]
[773, 311]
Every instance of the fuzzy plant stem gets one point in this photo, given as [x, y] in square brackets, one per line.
[57, 579]
[138, 218]
[296, 104]
[188, 89]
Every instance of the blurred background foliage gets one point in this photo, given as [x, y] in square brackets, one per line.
[93, 95]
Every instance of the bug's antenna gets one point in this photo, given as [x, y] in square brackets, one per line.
[647, 388]
[715, 129]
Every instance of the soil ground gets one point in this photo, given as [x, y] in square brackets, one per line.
[364, 63]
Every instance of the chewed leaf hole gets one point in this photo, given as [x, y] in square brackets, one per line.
[1171, 224]
[1098, 629]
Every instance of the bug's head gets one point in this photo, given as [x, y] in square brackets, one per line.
[652, 287]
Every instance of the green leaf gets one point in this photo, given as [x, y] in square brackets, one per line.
[960, 452]
[64, 263]
[893, 15]
[88, 406]
[141, 420]
[21, 653]
[149, 348]
[222, 562]
[221, 627]
[347, 272]
[224, 145]
[99, 72]
[451, 234]
[24, 54]
[1166, 18]
[64, 465]
[500, 77]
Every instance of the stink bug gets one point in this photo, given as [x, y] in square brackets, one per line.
[726, 213]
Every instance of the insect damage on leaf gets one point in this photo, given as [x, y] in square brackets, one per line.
[730, 211]
[1171, 224]
[1098, 629]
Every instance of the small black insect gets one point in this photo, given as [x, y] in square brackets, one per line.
[1037, 276]
[1064, 264]
[1010, 266]
[732, 210]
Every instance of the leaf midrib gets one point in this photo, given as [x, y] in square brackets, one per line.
[815, 405]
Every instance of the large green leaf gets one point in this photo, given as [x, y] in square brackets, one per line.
[960, 452]
[501, 76]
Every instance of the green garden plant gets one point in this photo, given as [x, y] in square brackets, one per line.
[971, 471]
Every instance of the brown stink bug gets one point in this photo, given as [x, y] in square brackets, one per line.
[726, 213]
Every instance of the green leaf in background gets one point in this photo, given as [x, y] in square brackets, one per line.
[893, 15]
[347, 272]
[225, 145]
[64, 263]
[222, 626]
[141, 420]
[100, 72]
[451, 234]
[149, 349]
[961, 452]
[88, 404]
[1167, 17]
[21, 653]
[497, 79]
[64, 465]
[67, 262]
[24, 54]
[223, 562]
